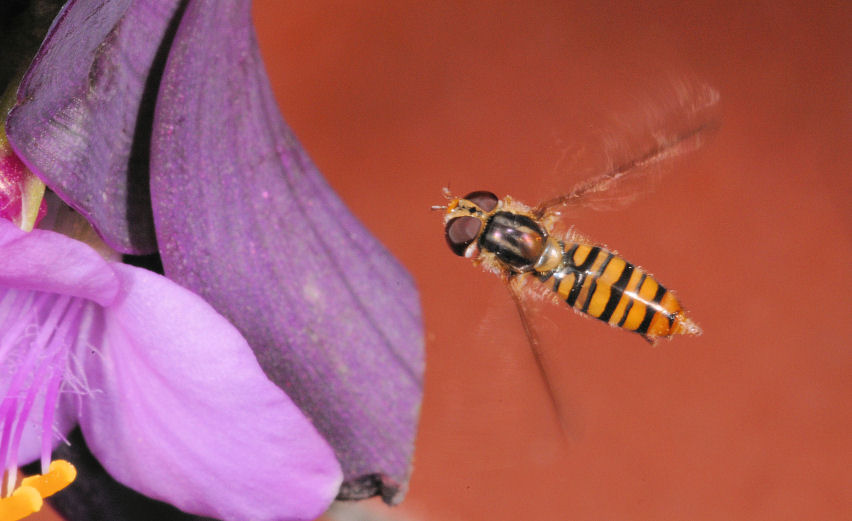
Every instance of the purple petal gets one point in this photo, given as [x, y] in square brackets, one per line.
[244, 219]
[45, 261]
[183, 413]
[81, 124]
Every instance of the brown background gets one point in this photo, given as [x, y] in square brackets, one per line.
[750, 421]
[395, 100]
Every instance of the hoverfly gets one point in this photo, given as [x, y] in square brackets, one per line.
[519, 243]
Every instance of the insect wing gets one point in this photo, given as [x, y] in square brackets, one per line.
[521, 300]
[631, 158]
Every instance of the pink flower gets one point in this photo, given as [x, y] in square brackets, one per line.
[168, 394]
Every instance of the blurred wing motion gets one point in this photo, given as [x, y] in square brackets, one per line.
[513, 284]
[677, 124]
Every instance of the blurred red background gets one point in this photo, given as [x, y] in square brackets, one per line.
[395, 100]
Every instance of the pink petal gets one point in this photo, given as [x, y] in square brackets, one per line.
[45, 261]
[184, 414]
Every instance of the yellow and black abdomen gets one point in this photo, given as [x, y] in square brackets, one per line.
[603, 285]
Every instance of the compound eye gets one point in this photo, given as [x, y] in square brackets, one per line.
[461, 232]
[485, 200]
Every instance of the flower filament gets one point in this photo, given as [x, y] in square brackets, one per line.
[37, 332]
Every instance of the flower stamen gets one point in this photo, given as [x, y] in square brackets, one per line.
[36, 350]
[23, 502]
[59, 475]
[29, 497]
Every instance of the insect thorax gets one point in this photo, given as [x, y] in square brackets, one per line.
[515, 239]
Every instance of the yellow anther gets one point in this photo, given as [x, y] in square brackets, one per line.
[23, 502]
[28, 498]
[59, 475]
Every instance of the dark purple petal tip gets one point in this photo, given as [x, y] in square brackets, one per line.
[244, 219]
[82, 122]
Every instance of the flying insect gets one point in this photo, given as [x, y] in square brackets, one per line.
[520, 243]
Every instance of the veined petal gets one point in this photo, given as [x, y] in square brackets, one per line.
[183, 413]
[45, 261]
[96, 495]
[84, 113]
[244, 219]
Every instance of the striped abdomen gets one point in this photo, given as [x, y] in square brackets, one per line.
[603, 285]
